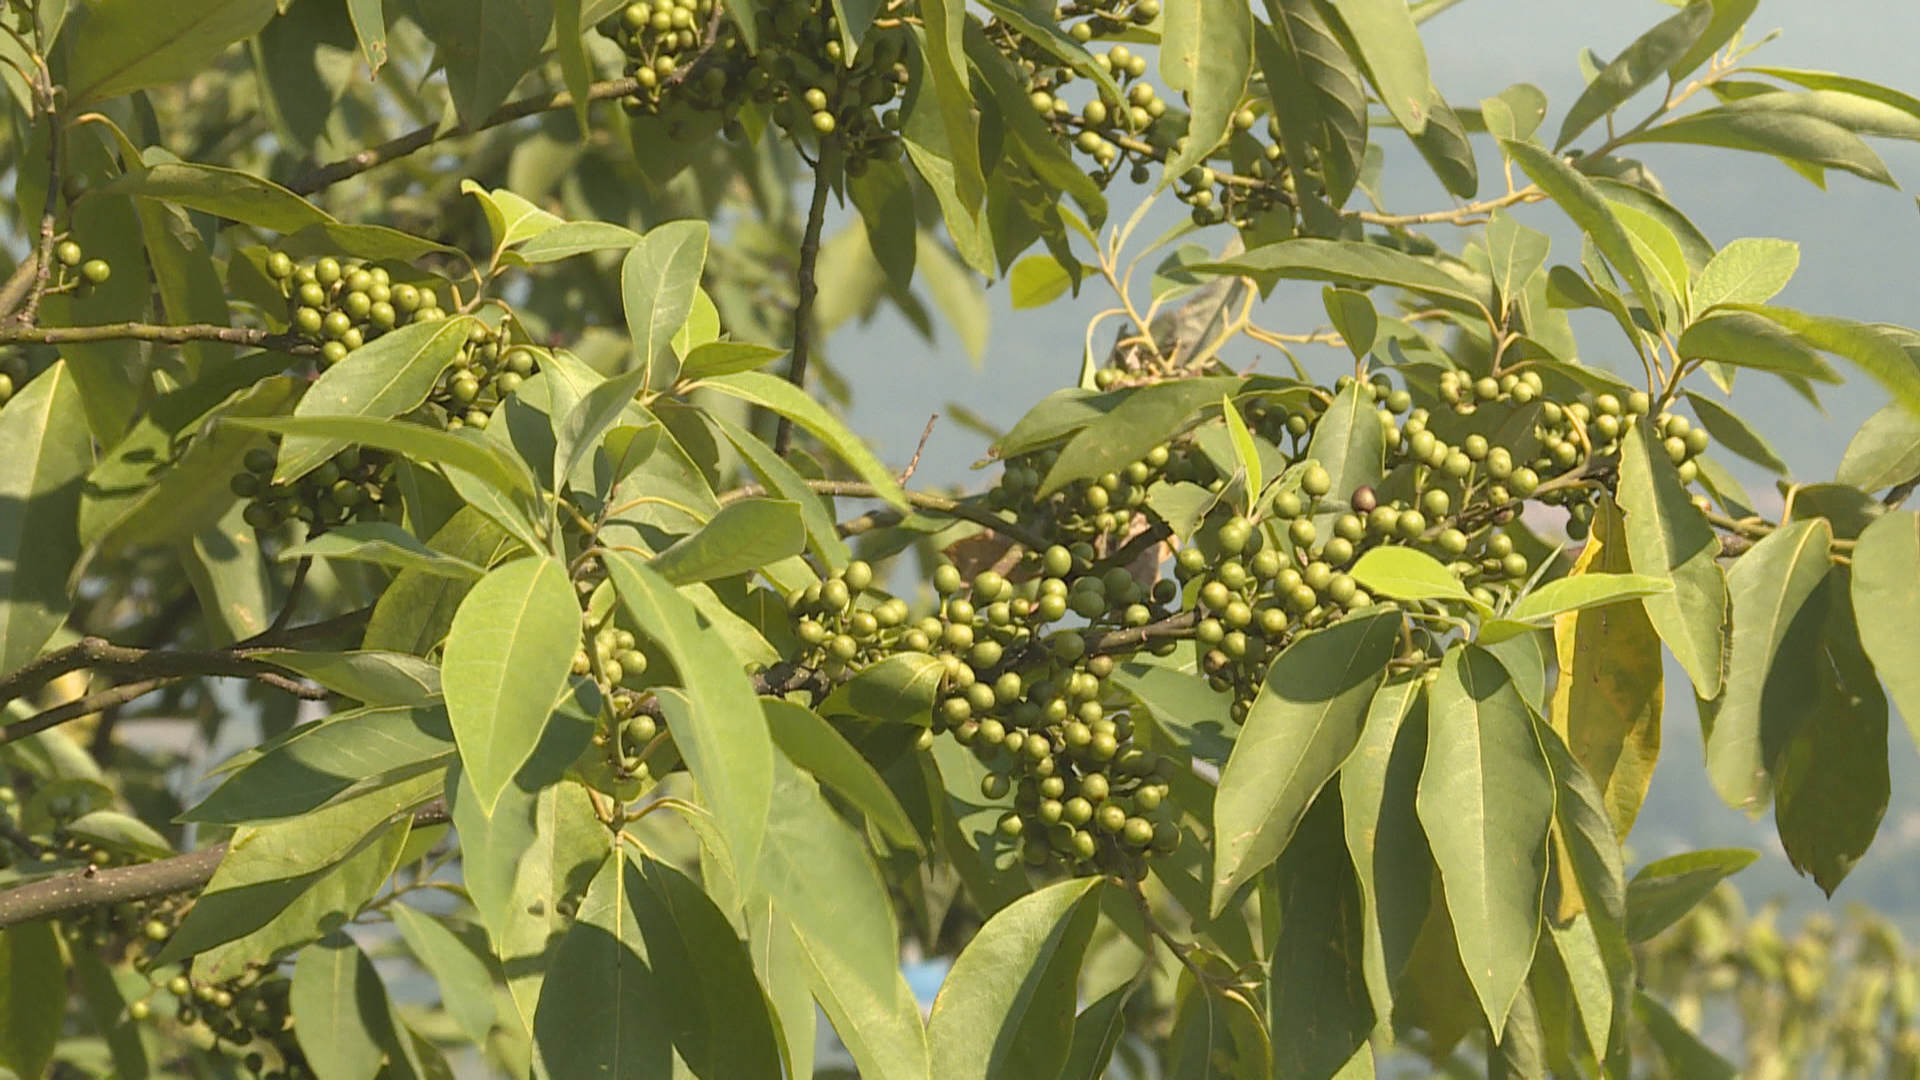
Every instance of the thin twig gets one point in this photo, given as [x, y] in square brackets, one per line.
[163, 877]
[294, 589]
[914, 465]
[804, 280]
[43, 255]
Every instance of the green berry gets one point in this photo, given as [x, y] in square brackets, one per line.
[96, 271]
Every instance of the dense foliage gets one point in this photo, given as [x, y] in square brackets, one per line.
[560, 651]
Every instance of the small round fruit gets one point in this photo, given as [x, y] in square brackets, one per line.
[96, 271]
[69, 253]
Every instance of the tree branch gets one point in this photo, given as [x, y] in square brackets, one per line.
[808, 288]
[160, 334]
[423, 137]
[163, 877]
[43, 255]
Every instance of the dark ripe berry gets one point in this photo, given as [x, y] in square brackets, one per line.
[96, 271]
[1364, 500]
[69, 253]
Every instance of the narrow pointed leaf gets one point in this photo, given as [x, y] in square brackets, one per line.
[1305, 722]
[507, 660]
[44, 440]
[1667, 537]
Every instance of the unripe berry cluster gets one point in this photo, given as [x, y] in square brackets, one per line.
[353, 485]
[340, 306]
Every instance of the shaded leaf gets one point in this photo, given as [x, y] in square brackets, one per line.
[1646, 59]
[1668, 537]
[1663, 891]
[44, 440]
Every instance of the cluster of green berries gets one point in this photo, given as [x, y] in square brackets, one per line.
[802, 72]
[616, 655]
[1085, 511]
[340, 306]
[660, 37]
[353, 485]
[248, 1014]
[1028, 698]
[73, 270]
[487, 369]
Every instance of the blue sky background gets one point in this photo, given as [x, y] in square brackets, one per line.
[1856, 239]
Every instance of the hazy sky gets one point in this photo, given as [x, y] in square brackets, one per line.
[1856, 242]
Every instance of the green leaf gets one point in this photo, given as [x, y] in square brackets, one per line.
[1746, 271]
[1582, 201]
[746, 535]
[1516, 254]
[1405, 573]
[1668, 537]
[1884, 583]
[1036, 281]
[1010, 993]
[1608, 700]
[1734, 433]
[318, 763]
[30, 966]
[1744, 339]
[485, 47]
[466, 987]
[721, 1024]
[943, 49]
[1872, 349]
[522, 867]
[416, 609]
[1344, 261]
[508, 656]
[958, 294]
[1729, 17]
[1831, 783]
[383, 544]
[1486, 800]
[721, 732]
[370, 28]
[120, 833]
[1348, 443]
[286, 883]
[345, 1027]
[576, 71]
[1143, 418]
[1318, 1010]
[1305, 721]
[1792, 136]
[510, 218]
[1769, 585]
[823, 536]
[658, 280]
[1206, 52]
[1666, 889]
[1446, 149]
[44, 440]
[119, 46]
[580, 430]
[371, 676]
[1183, 705]
[1650, 56]
[811, 743]
[1384, 839]
[1097, 1032]
[885, 200]
[1353, 317]
[1394, 59]
[189, 494]
[1243, 448]
[1682, 1051]
[380, 380]
[571, 238]
[818, 874]
[726, 358]
[611, 1015]
[1884, 452]
[784, 398]
[1579, 592]
[1319, 97]
[474, 455]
